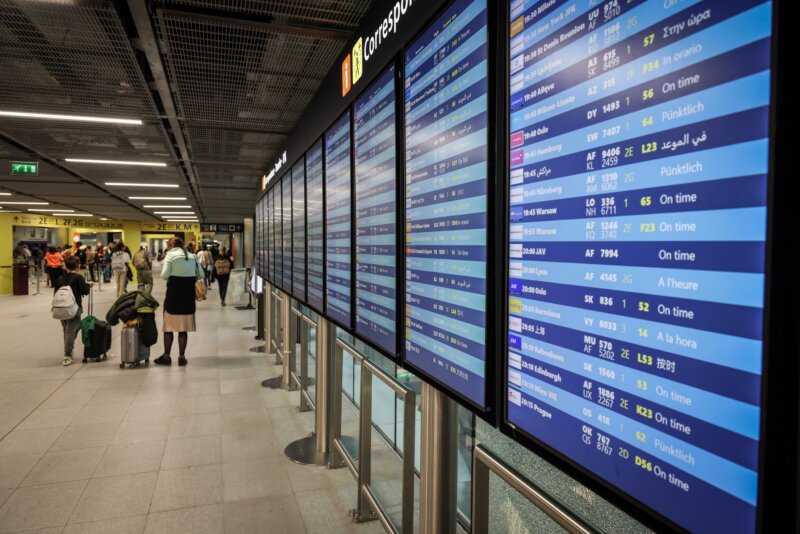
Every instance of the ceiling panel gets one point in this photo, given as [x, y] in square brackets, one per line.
[238, 74]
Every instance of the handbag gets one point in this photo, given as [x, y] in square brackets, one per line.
[199, 290]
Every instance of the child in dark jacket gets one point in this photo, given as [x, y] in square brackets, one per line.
[77, 283]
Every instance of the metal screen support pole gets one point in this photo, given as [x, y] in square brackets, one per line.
[438, 469]
[267, 312]
[337, 460]
[304, 331]
[322, 392]
[363, 511]
[289, 343]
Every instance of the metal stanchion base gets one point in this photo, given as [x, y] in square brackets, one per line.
[259, 338]
[259, 349]
[304, 451]
[248, 307]
[276, 382]
[249, 328]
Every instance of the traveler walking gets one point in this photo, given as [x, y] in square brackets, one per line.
[67, 304]
[19, 254]
[207, 263]
[222, 270]
[182, 271]
[119, 265]
[143, 263]
[91, 263]
[55, 265]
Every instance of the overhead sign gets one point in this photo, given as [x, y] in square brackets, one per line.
[30, 219]
[221, 228]
[267, 178]
[170, 227]
[27, 168]
[365, 47]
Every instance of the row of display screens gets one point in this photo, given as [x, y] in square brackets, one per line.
[636, 205]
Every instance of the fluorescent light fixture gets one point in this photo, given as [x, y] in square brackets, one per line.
[79, 118]
[156, 198]
[51, 210]
[10, 211]
[117, 162]
[133, 184]
[183, 220]
[174, 212]
[103, 218]
[166, 206]
[5, 194]
[5, 202]
[178, 216]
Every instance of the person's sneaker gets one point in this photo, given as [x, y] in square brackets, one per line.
[67, 361]
[182, 361]
[164, 359]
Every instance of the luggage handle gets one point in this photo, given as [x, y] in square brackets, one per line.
[91, 300]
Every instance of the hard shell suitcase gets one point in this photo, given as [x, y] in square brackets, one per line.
[133, 349]
[100, 339]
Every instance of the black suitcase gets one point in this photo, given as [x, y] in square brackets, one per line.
[100, 338]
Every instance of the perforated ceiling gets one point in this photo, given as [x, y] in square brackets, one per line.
[217, 84]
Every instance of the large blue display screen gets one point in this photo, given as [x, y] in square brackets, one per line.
[446, 185]
[638, 210]
[299, 230]
[286, 242]
[338, 239]
[376, 213]
[314, 214]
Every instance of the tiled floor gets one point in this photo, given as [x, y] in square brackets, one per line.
[92, 448]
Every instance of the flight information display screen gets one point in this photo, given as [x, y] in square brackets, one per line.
[446, 185]
[273, 229]
[299, 230]
[375, 155]
[277, 225]
[638, 211]
[315, 226]
[286, 242]
[338, 238]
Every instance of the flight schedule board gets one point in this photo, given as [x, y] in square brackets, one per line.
[446, 200]
[375, 155]
[338, 239]
[286, 241]
[638, 209]
[299, 230]
[274, 265]
[315, 225]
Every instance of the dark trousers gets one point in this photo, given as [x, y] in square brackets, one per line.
[54, 273]
[223, 286]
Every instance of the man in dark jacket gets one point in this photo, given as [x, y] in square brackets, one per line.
[77, 283]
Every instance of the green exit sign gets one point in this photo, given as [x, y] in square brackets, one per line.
[24, 167]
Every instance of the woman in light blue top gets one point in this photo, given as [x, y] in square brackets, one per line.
[181, 271]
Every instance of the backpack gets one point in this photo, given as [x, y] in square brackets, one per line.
[64, 304]
[140, 259]
[222, 266]
[118, 262]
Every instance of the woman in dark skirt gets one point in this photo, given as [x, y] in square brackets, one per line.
[181, 271]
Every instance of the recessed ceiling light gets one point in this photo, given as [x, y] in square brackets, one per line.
[165, 206]
[117, 162]
[51, 210]
[80, 118]
[174, 212]
[6, 202]
[155, 198]
[132, 184]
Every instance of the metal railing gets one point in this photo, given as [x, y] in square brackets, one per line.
[276, 328]
[369, 507]
[306, 324]
[484, 463]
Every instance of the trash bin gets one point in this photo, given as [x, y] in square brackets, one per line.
[21, 278]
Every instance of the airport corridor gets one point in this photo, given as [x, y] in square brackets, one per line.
[94, 448]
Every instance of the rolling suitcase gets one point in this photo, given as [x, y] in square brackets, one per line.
[133, 350]
[99, 337]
